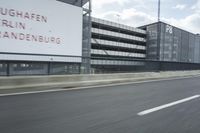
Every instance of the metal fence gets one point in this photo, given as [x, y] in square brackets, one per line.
[123, 65]
[98, 65]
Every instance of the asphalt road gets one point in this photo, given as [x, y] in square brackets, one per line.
[105, 110]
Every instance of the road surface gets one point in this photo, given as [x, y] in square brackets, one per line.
[171, 106]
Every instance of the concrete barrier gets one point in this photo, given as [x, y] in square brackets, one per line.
[68, 81]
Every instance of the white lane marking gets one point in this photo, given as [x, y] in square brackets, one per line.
[31, 92]
[97, 86]
[167, 105]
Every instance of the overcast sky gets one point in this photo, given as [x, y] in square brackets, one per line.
[181, 13]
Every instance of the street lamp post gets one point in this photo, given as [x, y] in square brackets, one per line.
[158, 10]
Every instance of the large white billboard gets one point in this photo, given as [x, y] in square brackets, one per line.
[39, 27]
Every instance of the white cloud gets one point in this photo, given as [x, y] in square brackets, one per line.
[144, 12]
[101, 3]
[130, 17]
[190, 23]
[136, 18]
[196, 7]
[180, 7]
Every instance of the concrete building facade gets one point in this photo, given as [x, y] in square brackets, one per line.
[168, 43]
[111, 43]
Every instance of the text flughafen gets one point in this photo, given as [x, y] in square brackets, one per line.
[6, 23]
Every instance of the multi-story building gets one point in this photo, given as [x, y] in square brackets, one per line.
[87, 45]
[113, 43]
[169, 43]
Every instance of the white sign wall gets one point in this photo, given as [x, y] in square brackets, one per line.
[39, 27]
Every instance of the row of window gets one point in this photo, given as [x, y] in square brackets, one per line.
[118, 35]
[115, 62]
[118, 44]
[3, 66]
[117, 25]
[39, 68]
[117, 53]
